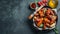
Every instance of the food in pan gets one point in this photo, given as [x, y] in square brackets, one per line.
[45, 18]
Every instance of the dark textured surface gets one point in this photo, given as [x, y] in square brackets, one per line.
[14, 18]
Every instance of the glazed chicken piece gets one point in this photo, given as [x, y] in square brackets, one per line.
[46, 20]
[48, 25]
[36, 18]
[52, 18]
[40, 22]
[49, 17]
[52, 12]
[41, 13]
[48, 12]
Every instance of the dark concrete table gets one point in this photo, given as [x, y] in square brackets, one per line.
[14, 18]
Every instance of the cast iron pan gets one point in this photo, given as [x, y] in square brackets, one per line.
[56, 20]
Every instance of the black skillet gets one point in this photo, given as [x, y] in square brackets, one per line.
[56, 19]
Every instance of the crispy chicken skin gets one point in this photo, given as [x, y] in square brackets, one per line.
[46, 20]
[40, 22]
[49, 12]
[41, 13]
